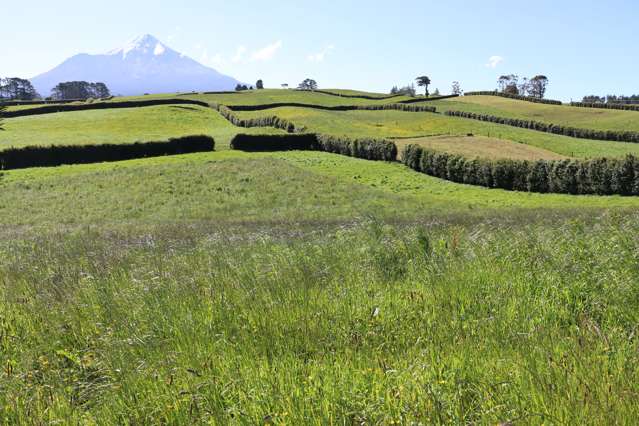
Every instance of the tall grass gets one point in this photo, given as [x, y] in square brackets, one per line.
[365, 325]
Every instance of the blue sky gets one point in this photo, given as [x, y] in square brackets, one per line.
[584, 47]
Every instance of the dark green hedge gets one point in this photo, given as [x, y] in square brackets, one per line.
[517, 97]
[598, 176]
[56, 155]
[369, 149]
[50, 109]
[623, 107]
[44, 102]
[603, 135]
[380, 107]
[429, 99]
[270, 121]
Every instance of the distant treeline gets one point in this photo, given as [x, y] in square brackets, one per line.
[376, 107]
[598, 176]
[56, 155]
[511, 96]
[611, 99]
[80, 90]
[603, 135]
[17, 89]
[369, 149]
[623, 107]
[50, 109]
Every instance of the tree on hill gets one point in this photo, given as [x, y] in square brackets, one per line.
[308, 84]
[241, 87]
[394, 90]
[17, 89]
[423, 81]
[538, 86]
[456, 89]
[80, 90]
[259, 85]
[509, 84]
[436, 93]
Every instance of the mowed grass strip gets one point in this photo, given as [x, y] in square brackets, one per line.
[397, 124]
[587, 118]
[482, 147]
[115, 126]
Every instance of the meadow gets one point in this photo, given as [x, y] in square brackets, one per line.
[305, 287]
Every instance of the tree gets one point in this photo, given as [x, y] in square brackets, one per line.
[259, 85]
[241, 87]
[511, 89]
[308, 84]
[524, 87]
[17, 89]
[394, 90]
[538, 86]
[436, 93]
[80, 90]
[508, 83]
[456, 89]
[423, 81]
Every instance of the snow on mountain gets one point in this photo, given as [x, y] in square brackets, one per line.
[142, 65]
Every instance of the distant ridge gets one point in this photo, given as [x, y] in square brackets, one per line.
[142, 65]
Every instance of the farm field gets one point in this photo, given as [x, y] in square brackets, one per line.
[587, 118]
[305, 287]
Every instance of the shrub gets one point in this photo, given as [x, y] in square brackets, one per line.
[56, 155]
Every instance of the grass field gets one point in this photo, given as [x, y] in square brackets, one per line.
[482, 147]
[309, 288]
[587, 118]
[394, 124]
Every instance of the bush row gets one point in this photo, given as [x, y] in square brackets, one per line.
[603, 135]
[397, 107]
[624, 107]
[56, 155]
[270, 121]
[369, 149]
[518, 97]
[50, 109]
[41, 102]
[429, 99]
[598, 176]
[372, 98]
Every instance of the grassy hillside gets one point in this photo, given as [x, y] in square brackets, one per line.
[394, 124]
[118, 126]
[482, 147]
[588, 118]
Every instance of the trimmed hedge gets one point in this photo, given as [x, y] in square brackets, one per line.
[51, 109]
[598, 176]
[19, 103]
[56, 155]
[603, 135]
[369, 149]
[430, 99]
[271, 121]
[517, 97]
[623, 107]
[380, 107]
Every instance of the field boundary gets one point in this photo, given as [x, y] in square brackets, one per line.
[574, 132]
[516, 97]
[57, 155]
[374, 107]
[621, 107]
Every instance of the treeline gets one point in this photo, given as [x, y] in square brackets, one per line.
[80, 90]
[369, 149]
[512, 96]
[623, 107]
[17, 89]
[56, 155]
[376, 107]
[611, 99]
[51, 109]
[603, 135]
[598, 176]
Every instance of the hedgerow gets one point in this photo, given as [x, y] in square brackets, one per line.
[623, 107]
[604, 135]
[380, 107]
[517, 97]
[597, 176]
[369, 149]
[56, 155]
[50, 109]
[270, 121]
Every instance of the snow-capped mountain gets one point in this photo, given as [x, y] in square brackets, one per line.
[143, 65]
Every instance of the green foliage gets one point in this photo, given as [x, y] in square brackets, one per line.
[623, 107]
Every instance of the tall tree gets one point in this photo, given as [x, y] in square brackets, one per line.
[538, 86]
[423, 81]
[508, 84]
[17, 89]
[456, 89]
[79, 90]
[308, 84]
[524, 87]
[259, 85]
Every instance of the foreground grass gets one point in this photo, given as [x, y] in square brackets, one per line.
[482, 147]
[368, 325]
[588, 118]
[396, 124]
[119, 126]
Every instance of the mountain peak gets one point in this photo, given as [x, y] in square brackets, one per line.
[144, 44]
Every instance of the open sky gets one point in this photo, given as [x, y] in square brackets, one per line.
[583, 46]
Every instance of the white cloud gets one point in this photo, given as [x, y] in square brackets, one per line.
[493, 61]
[320, 56]
[214, 60]
[239, 54]
[267, 52]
